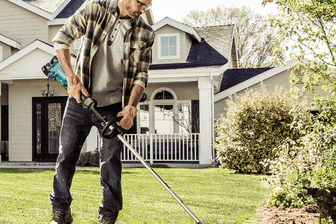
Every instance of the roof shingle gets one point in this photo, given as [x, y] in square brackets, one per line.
[233, 77]
[46, 5]
[70, 9]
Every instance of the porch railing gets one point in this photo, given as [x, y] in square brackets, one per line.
[162, 147]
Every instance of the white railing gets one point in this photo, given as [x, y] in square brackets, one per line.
[162, 147]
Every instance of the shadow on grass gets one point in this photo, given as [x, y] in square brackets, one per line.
[17, 170]
[94, 171]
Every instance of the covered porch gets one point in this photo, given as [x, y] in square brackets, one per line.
[162, 148]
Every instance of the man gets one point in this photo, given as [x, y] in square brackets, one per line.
[112, 66]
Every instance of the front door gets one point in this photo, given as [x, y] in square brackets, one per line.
[47, 118]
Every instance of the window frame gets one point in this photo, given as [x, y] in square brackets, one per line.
[178, 45]
[151, 113]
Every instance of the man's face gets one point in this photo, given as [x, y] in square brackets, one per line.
[136, 7]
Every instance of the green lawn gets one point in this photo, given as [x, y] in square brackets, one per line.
[214, 195]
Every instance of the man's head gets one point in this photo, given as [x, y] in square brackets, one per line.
[134, 8]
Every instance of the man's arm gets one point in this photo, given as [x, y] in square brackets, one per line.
[75, 87]
[130, 111]
[139, 84]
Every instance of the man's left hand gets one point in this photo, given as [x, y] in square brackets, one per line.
[128, 114]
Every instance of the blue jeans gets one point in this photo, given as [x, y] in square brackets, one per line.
[76, 125]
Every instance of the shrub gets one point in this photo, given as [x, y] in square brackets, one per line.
[308, 163]
[305, 170]
[89, 159]
[256, 123]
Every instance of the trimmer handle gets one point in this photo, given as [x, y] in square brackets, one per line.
[112, 129]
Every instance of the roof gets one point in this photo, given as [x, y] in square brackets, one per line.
[240, 79]
[46, 5]
[70, 9]
[177, 25]
[9, 41]
[200, 55]
[213, 49]
[44, 8]
[57, 9]
[219, 37]
[233, 77]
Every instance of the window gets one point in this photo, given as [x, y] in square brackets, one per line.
[144, 118]
[164, 114]
[1, 53]
[183, 117]
[169, 46]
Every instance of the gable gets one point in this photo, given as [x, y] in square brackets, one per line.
[213, 49]
[180, 26]
[27, 63]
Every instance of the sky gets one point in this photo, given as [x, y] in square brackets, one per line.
[177, 9]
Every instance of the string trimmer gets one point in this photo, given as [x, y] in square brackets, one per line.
[53, 70]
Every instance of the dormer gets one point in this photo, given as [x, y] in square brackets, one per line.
[173, 41]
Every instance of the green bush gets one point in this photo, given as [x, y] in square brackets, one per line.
[308, 163]
[89, 159]
[305, 170]
[256, 123]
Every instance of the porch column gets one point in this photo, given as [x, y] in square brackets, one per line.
[205, 107]
[92, 141]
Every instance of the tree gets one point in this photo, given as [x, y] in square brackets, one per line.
[309, 27]
[254, 36]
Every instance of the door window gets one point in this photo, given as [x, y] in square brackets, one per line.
[47, 120]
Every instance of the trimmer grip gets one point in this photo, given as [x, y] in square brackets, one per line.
[112, 129]
[83, 97]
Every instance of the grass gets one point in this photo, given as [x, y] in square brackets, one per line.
[214, 196]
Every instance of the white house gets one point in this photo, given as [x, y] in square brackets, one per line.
[175, 123]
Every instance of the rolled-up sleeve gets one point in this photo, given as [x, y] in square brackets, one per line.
[73, 29]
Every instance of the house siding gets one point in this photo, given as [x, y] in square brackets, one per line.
[20, 115]
[183, 91]
[52, 32]
[20, 119]
[6, 50]
[21, 24]
[281, 79]
[187, 45]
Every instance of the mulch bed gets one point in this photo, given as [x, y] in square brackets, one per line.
[278, 215]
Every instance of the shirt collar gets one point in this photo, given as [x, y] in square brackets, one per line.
[113, 8]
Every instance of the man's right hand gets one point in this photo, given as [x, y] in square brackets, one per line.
[75, 88]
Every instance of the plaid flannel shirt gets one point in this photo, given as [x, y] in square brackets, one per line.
[93, 21]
